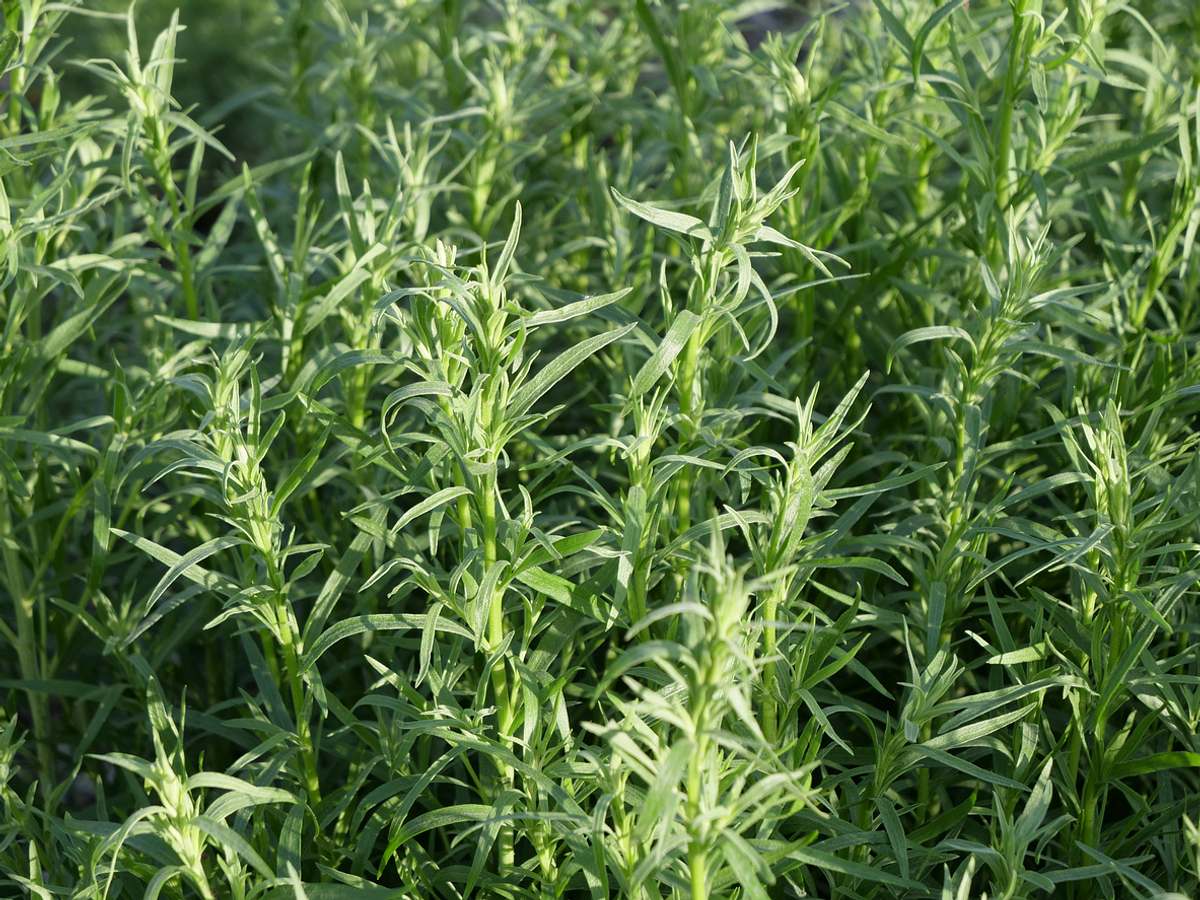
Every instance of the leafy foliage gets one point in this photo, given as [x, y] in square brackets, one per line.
[585, 450]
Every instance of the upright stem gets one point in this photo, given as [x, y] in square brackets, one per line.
[463, 504]
[637, 593]
[303, 727]
[301, 30]
[770, 711]
[496, 600]
[177, 248]
[504, 712]
[464, 520]
[1004, 131]
[698, 869]
[697, 846]
[360, 384]
[187, 278]
[923, 784]
[24, 607]
[688, 408]
[295, 677]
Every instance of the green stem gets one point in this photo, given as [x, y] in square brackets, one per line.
[688, 408]
[289, 637]
[1159, 268]
[770, 711]
[360, 383]
[463, 505]
[697, 847]
[27, 659]
[923, 789]
[637, 593]
[504, 711]
[181, 224]
[698, 869]
[187, 278]
[464, 520]
[24, 607]
[1004, 129]
[1089, 820]
[308, 756]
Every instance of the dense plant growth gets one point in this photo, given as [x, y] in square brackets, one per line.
[572, 449]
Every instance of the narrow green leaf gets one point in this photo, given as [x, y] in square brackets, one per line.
[917, 53]
[369, 623]
[680, 223]
[672, 344]
[828, 862]
[571, 310]
[1156, 762]
[435, 501]
[929, 333]
[188, 565]
[554, 371]
[213, 581]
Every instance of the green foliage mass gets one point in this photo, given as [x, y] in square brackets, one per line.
[625, 449]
